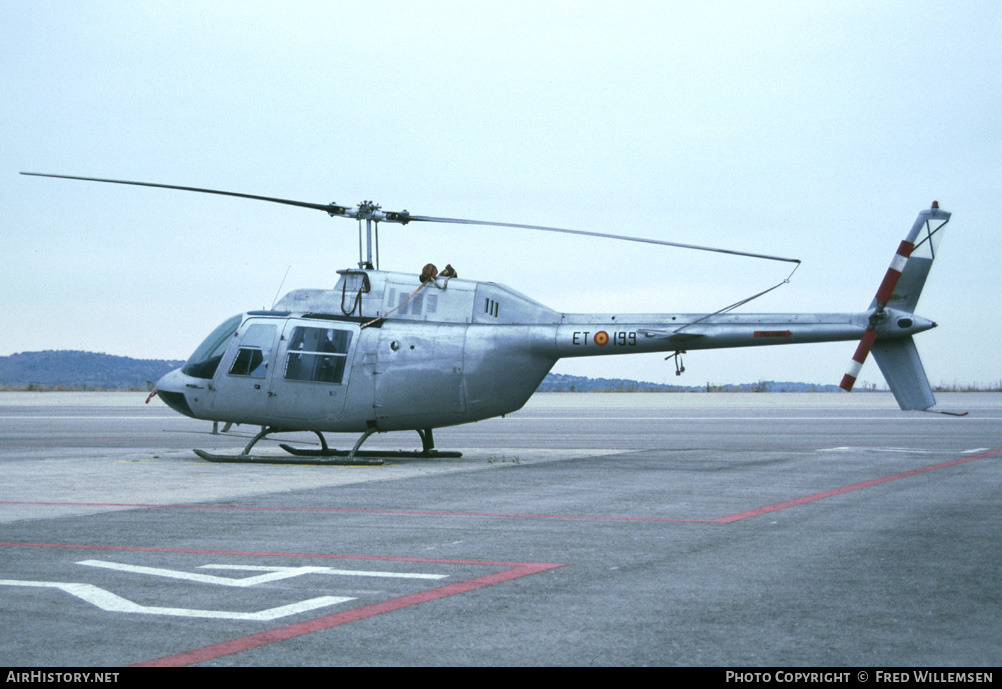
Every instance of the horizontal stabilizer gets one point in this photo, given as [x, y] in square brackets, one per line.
[899, 362]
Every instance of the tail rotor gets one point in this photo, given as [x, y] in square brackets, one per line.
[914, 267]
[884, 293]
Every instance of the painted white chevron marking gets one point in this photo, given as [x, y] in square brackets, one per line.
[106, 600]
[271, 573]
[285, 573]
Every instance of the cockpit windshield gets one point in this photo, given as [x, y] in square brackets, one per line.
[205, 360]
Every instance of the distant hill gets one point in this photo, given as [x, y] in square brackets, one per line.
[75, 370]
[558, 382]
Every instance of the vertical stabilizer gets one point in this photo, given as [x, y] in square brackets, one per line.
[906, 293]
[899, 362]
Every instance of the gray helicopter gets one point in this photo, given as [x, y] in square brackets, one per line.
[387, 351]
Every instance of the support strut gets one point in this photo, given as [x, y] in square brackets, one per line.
[319, 456]
[428, 450]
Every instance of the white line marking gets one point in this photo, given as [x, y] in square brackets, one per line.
[25, 417]
[723, 416]
[106, 600]
[273, 573]
[901, 450]
[892, 415]
[287, 573]
[329, 570]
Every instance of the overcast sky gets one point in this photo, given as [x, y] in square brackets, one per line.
[812, 130]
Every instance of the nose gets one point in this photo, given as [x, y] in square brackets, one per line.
[170, 388]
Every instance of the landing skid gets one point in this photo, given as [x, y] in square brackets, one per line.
[326, 455]
[388, 454]
[278, 459]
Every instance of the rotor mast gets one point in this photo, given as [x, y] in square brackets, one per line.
[373, 214]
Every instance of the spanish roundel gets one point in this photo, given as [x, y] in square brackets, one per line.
[601, 338]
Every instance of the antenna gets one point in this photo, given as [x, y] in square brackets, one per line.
[280, 286]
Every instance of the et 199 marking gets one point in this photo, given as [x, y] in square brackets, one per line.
[602, 338]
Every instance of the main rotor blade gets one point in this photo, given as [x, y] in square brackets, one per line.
[331, 208]
[645, 240]
[370, 211]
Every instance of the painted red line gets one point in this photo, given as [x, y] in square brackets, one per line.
[517, 570]
[846, 489]
[718, 520]
[244, 643]
[356, 511]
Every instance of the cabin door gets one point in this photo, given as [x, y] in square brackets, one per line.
[242, 381]
[312, 371]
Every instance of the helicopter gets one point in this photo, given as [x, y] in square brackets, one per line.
[390, 351]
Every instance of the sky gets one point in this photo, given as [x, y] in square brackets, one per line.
[811, 130]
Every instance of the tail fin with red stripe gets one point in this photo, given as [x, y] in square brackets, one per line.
[900, 290]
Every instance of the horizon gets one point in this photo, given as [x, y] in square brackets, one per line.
[684, 386]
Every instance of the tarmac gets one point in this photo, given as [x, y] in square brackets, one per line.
[603, 529]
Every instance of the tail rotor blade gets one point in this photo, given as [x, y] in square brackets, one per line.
[893, 274]
[884, 293]
[858, 359]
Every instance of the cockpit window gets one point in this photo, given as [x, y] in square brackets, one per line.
[317, 354]
[205, 360]
[255, 348]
